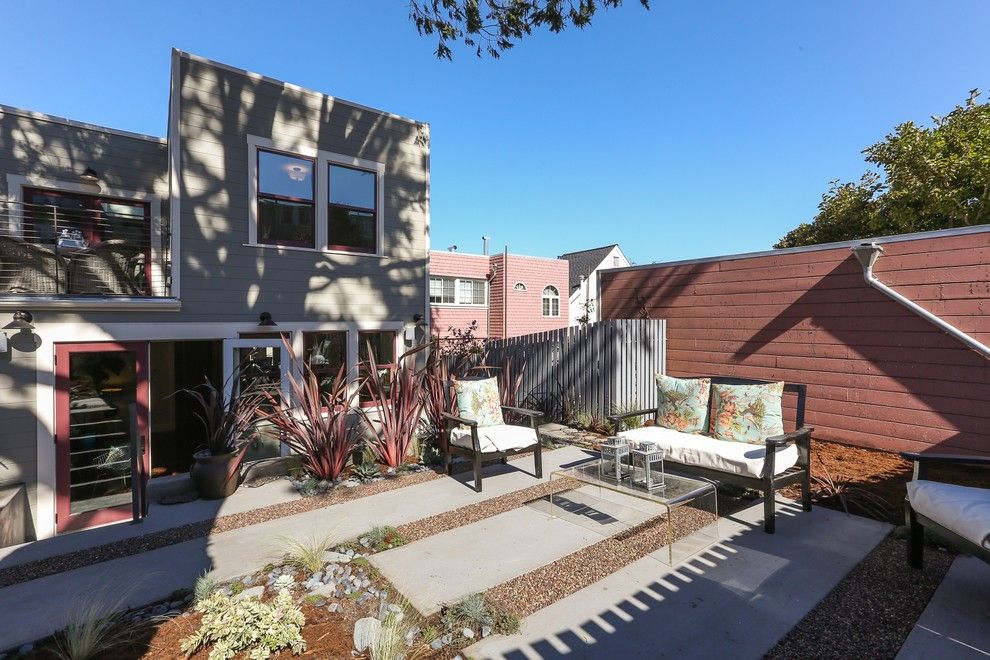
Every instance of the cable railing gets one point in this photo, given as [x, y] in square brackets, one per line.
[113, 250]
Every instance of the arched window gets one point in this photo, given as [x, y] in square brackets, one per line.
[551, 301]
[519, 286]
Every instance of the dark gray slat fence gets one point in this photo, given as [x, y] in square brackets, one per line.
[599, 368]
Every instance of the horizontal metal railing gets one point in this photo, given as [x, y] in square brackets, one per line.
[114, 250]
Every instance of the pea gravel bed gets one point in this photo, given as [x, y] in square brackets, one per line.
[531, 592]
[124, 548]
[442, 522]
[871, 611]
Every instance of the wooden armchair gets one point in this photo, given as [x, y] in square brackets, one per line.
[958, 515]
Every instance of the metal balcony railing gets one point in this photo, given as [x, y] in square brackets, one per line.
[113, 250]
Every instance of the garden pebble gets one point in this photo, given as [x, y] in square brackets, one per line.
[333, 557]
[486, 631]
[366, 631]
[251, 592]
[333, 607]
[467, 632]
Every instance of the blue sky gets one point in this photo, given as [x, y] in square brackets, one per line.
[693, 129]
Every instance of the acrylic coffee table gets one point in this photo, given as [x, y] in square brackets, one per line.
[687, 507]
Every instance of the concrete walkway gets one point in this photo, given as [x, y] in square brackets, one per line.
[743, 594]
[42, 604]
[956, 623]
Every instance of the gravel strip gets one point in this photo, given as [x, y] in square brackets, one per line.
[871, 611]
[546, 585]
[442, 522]
[132, 546]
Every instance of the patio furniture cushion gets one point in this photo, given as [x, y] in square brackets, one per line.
[502, 437]
[683, 403]
[478, 400]
[722, 455]
[962, 509]
[747, 413]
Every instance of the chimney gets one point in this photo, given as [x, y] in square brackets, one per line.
[484, 244]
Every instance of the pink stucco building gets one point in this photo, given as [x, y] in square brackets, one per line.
[507, 294]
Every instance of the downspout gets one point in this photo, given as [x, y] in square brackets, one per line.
[867, 254]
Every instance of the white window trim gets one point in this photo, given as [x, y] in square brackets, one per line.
[15, 193]
[457, 291]
[320, 201]
[544, 297]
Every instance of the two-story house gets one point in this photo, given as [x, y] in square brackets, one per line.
[583, 285]
[507, 295]
[132, 266]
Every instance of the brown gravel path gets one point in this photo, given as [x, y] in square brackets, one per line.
[528, 593]
[132, 546]
[871, 611]
[442, 522]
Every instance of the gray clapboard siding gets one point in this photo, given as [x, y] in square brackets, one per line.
[599, 368]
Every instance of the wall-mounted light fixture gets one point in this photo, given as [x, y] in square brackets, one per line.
[21, 323]
[409, 334]
[265, 321]
[89, 175]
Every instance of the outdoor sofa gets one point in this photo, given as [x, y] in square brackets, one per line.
[777, 461]
[958, 515]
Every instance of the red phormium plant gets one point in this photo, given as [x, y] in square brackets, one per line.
[315, 423]
[229, 422]
[397, 397]
[438, 395]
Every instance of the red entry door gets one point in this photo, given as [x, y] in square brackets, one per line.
[95, 385]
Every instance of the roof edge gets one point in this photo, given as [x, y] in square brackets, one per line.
[594, 249]
[55, 119]
[894, 238]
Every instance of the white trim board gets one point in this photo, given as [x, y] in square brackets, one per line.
[174, 173]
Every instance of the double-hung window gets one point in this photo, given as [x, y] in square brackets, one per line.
[458, 291]
[352, 216]
[551, 301]
[286, 200]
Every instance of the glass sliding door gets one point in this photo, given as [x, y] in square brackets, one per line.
[97, 388]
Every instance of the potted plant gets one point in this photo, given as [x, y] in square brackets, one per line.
[230, 427]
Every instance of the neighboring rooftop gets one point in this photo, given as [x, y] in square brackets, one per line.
[583, 262]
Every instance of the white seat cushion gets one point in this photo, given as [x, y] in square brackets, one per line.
[501, 437]
[722, 455]
[962, 509]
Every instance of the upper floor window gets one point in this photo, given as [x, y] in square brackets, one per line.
[286, 200]
[551, 301]
[615, 261]
[352, 214]
[519, 286]
[458, 291]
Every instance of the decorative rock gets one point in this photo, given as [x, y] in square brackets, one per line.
[393, 608]
[363, 598]
[251, 592]
[324, 591]
[317, 577]
[467, 632]
[436, 644]
[366, 632]
[319, 602]
[486, 631]
[248, 580]
[159, 609]
[332, 557]
[333, 607]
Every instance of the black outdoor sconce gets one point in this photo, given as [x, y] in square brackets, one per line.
[21, 323]
[265, 321]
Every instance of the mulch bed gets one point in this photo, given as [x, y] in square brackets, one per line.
[871, 611]
[125, 547]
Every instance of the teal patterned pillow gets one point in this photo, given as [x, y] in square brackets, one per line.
[479, 400]
[747, 413]
[682, 403]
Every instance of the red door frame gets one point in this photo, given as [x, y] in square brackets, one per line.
[64, 520]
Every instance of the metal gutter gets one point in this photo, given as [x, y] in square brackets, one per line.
[867, 254]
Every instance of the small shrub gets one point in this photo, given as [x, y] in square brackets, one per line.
[94, 627]
[313, 599]
[306, 555]
[233, 626]
[430, 633]
[630, 422]
[236, 587]
[382, 537]
[391, 642]
[475, 612]
[204, 587]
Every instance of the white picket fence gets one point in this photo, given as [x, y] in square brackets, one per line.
[598, 368]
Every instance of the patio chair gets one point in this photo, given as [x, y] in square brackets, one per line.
[111, 268]
[30, 268]
[479, 431]
[958, 515]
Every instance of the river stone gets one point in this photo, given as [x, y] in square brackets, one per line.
[467, 632]
[251, 592]
[366, 632]
[333, 557]
[324, 590]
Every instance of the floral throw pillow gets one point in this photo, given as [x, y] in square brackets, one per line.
[683, 403]
[479, 400]
[747, 413]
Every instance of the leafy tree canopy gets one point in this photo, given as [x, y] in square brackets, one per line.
[493, 26]
[932, 178]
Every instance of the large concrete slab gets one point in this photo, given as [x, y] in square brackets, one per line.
[443, 568]
[735, 599]
[42, 604]
[956, 623]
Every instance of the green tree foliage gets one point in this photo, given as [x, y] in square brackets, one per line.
[493, 26]
[932, 178]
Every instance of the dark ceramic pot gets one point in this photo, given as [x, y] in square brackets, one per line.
[216, 477]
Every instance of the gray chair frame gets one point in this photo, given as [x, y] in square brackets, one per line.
[478, 457]
[800, 473]
[916, 522]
